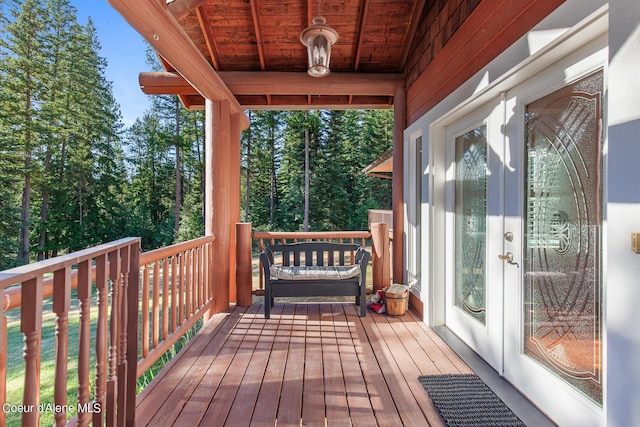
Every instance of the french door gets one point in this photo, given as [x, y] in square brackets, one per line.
[524, 215]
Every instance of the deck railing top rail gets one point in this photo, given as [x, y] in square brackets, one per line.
[30, 271]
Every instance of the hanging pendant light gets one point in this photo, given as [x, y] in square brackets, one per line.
[318, 38]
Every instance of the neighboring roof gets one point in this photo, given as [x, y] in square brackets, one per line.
[381, 166]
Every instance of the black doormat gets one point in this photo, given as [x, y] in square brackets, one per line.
[465, 400]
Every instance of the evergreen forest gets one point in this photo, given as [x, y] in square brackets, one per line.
[73, 176]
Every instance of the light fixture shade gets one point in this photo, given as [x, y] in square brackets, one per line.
[318, 39]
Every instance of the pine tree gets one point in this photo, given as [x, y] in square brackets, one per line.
[23, 80]
[267, 135]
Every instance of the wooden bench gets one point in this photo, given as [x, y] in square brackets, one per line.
[315, 269]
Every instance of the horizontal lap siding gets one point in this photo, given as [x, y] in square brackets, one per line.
[456, 38]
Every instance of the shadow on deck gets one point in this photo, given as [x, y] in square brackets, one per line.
[310, 363]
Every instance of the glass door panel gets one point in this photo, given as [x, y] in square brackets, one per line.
[470, 222]
[562, 240]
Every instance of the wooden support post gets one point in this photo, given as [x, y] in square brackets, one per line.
[234, 192]
[397, 185]
[243, 264]
[380, 255]
[218, 189]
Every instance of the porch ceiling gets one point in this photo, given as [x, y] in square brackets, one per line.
[263, 36]
[249, 52]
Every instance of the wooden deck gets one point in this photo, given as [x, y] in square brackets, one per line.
[310, 364]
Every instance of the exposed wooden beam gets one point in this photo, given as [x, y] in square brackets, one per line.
[299, 102]
[156, 24]
[280, 83]
[256, 27]
[181, 8]
[363, 22]
[209, 39]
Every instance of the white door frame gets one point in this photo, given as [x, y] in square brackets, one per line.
[593, 30]
[485, 339]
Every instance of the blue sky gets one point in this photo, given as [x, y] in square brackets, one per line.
[124, 50]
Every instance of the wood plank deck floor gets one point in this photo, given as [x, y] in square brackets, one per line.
[310, 364]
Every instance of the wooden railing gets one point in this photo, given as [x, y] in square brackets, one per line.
[115, 350]
[377, 239]
[175, 292]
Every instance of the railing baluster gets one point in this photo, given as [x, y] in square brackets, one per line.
[122, 346]
[114, 336]
[181, 281]
[187, 269]
[31, 327]
[194, 280]
[174, 293]
[84, 340]
[165, 298]
[101, 339]
[194, 293]
[145, 310]
[200, 278]
[156, 303]
[61, 306]
[261, 273]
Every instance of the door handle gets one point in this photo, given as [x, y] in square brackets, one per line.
[508, 258]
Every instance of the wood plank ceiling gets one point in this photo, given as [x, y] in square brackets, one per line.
[250, 42]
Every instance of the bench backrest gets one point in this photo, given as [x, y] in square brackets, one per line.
[316, 253]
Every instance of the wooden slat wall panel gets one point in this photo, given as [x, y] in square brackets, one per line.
[230, 42]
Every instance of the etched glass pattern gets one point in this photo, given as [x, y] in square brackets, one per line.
[470, 223]
[563, 243]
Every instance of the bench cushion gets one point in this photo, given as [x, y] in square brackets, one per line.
[314, 272]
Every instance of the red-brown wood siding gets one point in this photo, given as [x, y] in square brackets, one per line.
[456, 38]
